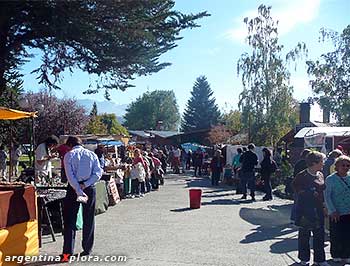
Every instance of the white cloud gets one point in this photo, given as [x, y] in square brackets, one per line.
[316, 113]
[302, 88]
[239, 32]
[289, 14]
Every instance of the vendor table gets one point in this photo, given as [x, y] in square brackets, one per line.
[47, 195]
[102, 201]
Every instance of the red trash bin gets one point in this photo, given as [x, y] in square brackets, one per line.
[195, 198]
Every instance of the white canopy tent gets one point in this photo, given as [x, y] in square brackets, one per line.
[329, 131]
[231, 151]
[316, 136]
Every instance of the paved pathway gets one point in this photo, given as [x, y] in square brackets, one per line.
[160, 229]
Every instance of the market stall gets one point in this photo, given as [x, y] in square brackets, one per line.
[18, 222]
[12, 114]
[325, 139]
[18, 207]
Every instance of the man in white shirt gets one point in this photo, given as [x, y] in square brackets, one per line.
[83, 170]
[176, 161]
[43, 156]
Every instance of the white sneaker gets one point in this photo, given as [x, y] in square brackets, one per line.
[337, 259]
[323, 263]
[305, 263]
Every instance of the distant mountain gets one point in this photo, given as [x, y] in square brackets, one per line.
[105, 107]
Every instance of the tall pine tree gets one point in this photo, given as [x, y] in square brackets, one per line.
[201, 111]
[93, 112]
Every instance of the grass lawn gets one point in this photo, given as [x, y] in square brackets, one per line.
[24, 158]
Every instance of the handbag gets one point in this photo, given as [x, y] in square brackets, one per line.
[306, 212]
[308, 222]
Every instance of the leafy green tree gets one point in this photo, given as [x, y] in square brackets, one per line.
[201, 111]
[151, 108]
[266, 102]
[232, 121]
[331, 76]
[116, 40]
[11, 100]
[112, 124]
[95, 126]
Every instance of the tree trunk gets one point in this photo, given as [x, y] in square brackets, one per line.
[2, 79]
[4, 29]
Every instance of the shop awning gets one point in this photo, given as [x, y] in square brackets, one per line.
[12, 114]
[329, 131]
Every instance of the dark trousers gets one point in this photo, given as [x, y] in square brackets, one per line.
[63, 175]
[339, 237]
[71, 208]
[238, 182]
[142, 187]
[148, 184]
[293, 213]
[154, 181]
[188, 164]
[248, 178]
[317, 242]
[198, 168]
[135, 187]
[267, 187]
[215, 176]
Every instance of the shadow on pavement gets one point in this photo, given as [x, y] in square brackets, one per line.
[217, 190]
[198, 182]
[223, 202]
[218, 195]
[329, 261]
[181, 210]
[273, 223]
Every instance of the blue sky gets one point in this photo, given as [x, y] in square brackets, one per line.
[214, 48]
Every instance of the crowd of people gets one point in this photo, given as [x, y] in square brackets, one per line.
[322, 192]
[321, 185]
[244, 166]
[12, 159]
[143, 172]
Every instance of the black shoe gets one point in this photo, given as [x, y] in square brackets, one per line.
[244, 196]
[84, 253]
[253, 199]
